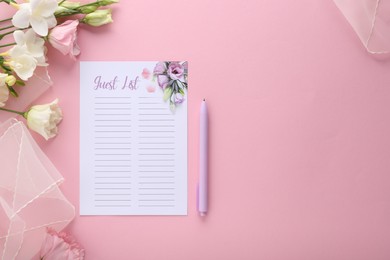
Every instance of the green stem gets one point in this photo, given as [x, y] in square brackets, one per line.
[6, 45]
[6, 20]
[60, 3]
[7, 1]
[5, 34]
[13, 111]
[5, 28]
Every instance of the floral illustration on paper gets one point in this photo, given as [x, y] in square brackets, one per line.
[172, 79]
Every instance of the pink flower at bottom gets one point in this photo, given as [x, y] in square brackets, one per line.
[60, 246]
[63, 37]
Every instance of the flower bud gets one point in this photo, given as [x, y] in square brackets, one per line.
[107, 2]
[88, 9]
[67, 8]
[63, 11]
[98, 18]
[70, 5]
[10, 80]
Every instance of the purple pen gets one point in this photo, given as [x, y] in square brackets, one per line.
[203, 160]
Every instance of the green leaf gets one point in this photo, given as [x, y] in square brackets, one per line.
[13, 92]
[20, 82]
[167, 93]
[181, 91]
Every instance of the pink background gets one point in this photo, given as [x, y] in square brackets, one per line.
[300, 132]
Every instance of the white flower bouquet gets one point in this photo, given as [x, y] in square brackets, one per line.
[23, 37]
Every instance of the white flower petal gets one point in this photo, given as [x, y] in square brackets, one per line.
[35, 3]
[4, 94]
[39, 25]
[43, 119]
[48, 7]
[51, 21]
[21, 18]
[19, 37]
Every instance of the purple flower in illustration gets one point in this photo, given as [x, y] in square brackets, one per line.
[172, 79]
[178, 98]
[163, 81]
[161, 68]
[176, 71]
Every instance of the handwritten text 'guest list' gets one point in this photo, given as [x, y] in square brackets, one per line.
[133, 148]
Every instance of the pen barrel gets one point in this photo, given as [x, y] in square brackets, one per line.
[203, 159]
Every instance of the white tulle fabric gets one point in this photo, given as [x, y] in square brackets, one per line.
[35, 87]
[371, 21]
[30, 199]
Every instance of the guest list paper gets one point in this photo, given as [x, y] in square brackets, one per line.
[133, 138]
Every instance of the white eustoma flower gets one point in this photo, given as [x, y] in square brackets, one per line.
[4, 91]
[22, 62]
[37, 13]
[35, 45]
[44, 119]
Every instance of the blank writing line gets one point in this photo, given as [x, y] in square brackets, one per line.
[159, 194]
[112, 108]
[113, 137]
[111, 148]
[156, 188]
[127, 165]
[157, 160]
[150, 108]
[112, 103]
[112, 182]
[112, 188]
[112, 200]
[156, 171]
[112, 205]
[156, 205]
[155, 114]
[156, 177]
[112, 125]
[113, 177]
[112, 143]
[113, 120]
[112, 194]
[162, 131]
[156, 165]
[156, 120]
[112, 131]
[157, 182]
[156, 148]
[156, 143]
[128, 171]
[156, 154]
[127, 114]
[125, 160]
[156, 125]
[112, 153]
[114, 97]
[157, 200]
[156, 137]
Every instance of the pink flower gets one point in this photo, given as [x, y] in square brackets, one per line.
[163, 81]
[63, 38]
[60, 246]
[145, 73]
[176, 71]
[160, 68]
